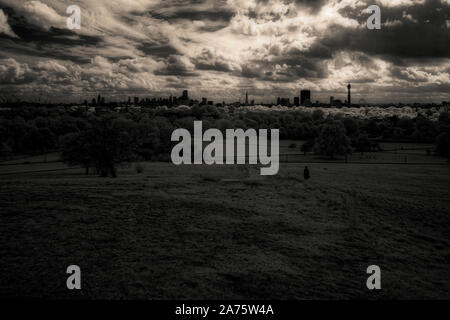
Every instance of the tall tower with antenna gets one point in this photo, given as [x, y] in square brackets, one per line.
[349, 97]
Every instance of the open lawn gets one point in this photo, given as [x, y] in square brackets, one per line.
[210, 233]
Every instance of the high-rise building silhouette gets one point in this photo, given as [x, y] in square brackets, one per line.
[285, 102]
[185, 95]
[305, 95]
[349, 98]
[246, 98]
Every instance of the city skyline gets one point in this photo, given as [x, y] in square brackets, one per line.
[225, 49]
[303, 99]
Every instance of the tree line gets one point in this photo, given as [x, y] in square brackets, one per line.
[104, 139]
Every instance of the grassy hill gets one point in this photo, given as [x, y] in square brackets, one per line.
[212, 232]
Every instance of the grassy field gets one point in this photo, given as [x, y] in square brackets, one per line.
[204, 232]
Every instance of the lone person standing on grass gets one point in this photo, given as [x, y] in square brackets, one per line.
[306, 174]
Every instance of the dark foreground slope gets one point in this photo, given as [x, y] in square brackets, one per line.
[203, 232]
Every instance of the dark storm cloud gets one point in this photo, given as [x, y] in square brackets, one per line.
[193, 10]
[413, 32]
[221, 15]
[157, 50]
[216, 66]
[403, 41]
[39, 51]
[52, 42]
[14, 46]
[214, 15]
[360, 80]
[213, 19]
[56, 36]
[313, 5]
[28, 33]
[435, 11]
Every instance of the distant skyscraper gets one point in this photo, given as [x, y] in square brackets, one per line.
[305, 95]
[296, 101]
[246, 98]
[331, 100]
[185, 95]
[349, 98]
[285, 102]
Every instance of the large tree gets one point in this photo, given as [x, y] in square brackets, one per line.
[107, 142]
[332, 140]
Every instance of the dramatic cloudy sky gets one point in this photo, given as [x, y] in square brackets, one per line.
[222, 48]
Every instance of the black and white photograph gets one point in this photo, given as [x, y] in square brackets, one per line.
[224, 150]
